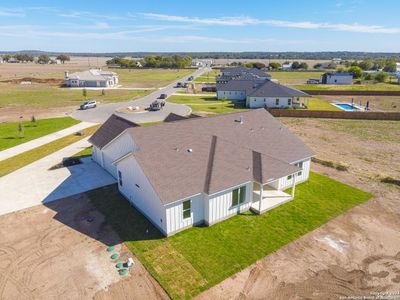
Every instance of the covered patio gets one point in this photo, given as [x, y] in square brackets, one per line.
[266, 197]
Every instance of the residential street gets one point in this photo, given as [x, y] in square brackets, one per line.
[103, 111]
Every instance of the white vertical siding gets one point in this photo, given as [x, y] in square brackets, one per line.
[174, 214]
[284, 182]
[231, 95]
[220, 204]
[121, 146]
[138, 190]
[96, 155]
[256, 102]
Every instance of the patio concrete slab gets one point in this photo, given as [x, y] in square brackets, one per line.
[35, 184]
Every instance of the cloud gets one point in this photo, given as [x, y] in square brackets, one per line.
[11, 13]
[246, 21]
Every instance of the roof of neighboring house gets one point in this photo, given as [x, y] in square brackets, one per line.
[238, 71]
[338, 74]
[175, 117]
[272, 89]
[239, 85]
[110, 129]
[92, 74]
[185, 158]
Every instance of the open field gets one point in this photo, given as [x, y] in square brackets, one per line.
[10, 136]
[184, 264]
[16, 162]
[208, 76]
[376, 103]
[149, 78]
[292, 78]
[208, 105]
[42, 95]
[353, 87]
[310, 62]
[52, 251]
[355, 254]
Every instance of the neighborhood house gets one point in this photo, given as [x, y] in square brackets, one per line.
[337, 78]
[91, 78]
[255, 87]
[194, 170]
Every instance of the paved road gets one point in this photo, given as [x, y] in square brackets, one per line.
[42, 140]
[103, 111]
[35, 184]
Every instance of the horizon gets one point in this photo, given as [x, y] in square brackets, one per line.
[157, 26]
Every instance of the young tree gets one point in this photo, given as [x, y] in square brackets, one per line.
[20, 129]
[103, 92]
[355, 71]
[33, 120]
[275, 66]
[84, 93]
[381, 77]
[303, 66]
[369, 76]
[43, 59]
[63, 58]
[6, 57]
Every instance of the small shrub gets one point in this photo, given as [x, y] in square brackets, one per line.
[103, 92]
[33, 120]
[341, 167]
[391, 180]
[84, 93]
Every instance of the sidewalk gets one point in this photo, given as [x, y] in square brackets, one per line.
[10, 152]
[35, 184]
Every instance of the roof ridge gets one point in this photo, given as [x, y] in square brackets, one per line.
[210, 164]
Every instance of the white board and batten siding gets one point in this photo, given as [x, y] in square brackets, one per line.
[285, 182]
[121, 146]
[139, 192]
[96, 155]
[220, 204]
[257, 102]
[231, 95]
[174, 214]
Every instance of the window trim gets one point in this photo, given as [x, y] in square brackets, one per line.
[184, 210]
[277, 101]
[241, 196]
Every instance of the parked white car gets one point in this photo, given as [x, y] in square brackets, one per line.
[89, 104]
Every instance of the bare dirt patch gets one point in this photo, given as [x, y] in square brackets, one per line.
[376, 103]
[13, 113]
[355, 254]
[58, 251]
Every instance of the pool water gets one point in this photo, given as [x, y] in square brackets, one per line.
[347, 106]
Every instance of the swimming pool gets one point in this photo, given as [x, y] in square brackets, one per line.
[347, 106]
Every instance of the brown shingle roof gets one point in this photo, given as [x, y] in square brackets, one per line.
[175, 117]
[208, 155]
[109, 130]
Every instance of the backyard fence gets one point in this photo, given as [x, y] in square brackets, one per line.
[351, 93]
[359, 115]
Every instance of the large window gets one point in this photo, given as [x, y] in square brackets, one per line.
[186, 209]
[277, 102]
[289, 102]
[238, 196]
[120, 178]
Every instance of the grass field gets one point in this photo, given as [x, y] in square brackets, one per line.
[43, 96]
[208, 76]
[354, 87]
[321, 104]
[10, 136]
[150, 78]
[196, 259]
[209, 105]
[294, 77]
[16, 162]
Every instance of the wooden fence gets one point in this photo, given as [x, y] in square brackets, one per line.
[351, 93]
[294, 113]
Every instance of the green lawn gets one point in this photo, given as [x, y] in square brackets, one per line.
[320, 104]
[353, 87]
[10, 136]
[295, 77]
[85, 152]
[21, 160]
[49, 96]
[207, 104]
[198, 258]
[150, 78]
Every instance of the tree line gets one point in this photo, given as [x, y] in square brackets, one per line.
[24, 57]
[152, 61]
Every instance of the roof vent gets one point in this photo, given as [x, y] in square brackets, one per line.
[190, 150]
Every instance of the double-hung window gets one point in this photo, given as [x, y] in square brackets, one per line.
[120, 178]
[187, 209]
[238, 196]
[277, 102]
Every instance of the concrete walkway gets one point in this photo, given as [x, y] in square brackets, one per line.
[35, 184]
[10, 152]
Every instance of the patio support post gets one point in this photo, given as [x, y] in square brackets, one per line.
[293, 185]
[261, 192]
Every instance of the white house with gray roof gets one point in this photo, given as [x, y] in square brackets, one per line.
[198, 171]
[91, 78]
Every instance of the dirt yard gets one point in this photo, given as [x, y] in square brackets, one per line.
[376, 103]
[355, 254]
[58, 251]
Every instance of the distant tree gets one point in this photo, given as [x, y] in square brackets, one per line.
[43, 59]
[258, 65]
[355, 71]
[369, 76]
[7, 57]
[24, 57]
[275, 66]
[63, 58]
[295, 65]
[303, 66]
[390, 67]
[249, 65]
[365, 65]
[84, 93]
[317, 66]
[381, 76]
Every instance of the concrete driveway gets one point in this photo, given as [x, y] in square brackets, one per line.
[103, 111]
[35, 184]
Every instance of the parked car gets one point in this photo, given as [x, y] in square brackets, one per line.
[190, 78]
[179, 84]
[156, 105]
[163, 96]
[89, 104]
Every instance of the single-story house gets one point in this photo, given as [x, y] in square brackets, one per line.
[241, 73]
[337, 78]
[91, 78]
[203, 170]
[398, 67]
[261, 93]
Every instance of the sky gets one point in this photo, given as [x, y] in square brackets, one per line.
[188, 26]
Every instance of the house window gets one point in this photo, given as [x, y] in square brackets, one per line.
[186, 209]
[277, 102]
[289, 101]
[289, 177]
[238, 196]
[120, 178]
[299, 173]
